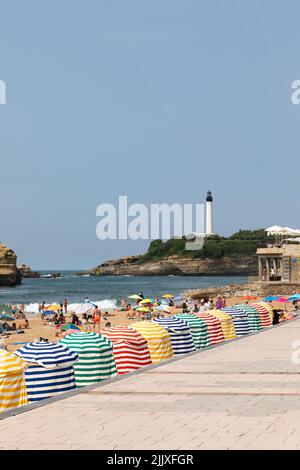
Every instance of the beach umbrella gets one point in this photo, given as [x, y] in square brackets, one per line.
[253, 316]
[129, 347]
[294, 297]
[158, 339]
[240, 320]
[134, 296]
[51, 369]
[146, 301]
[143, 309]
[270, 298]
[69, 326]
[84, 308]
[214, 327]
[181, 337]
[281, 299]
[248, 297]
[178, 298]
[264, 314]
[96, 361]
[53, 307]
[168, 296]
[7, 317]
[12, 381]
[163, 308]
[198, 329]
[226, 324]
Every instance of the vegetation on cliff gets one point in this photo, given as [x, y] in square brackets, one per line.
[242, 243]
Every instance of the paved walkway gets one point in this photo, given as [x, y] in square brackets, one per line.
[243, 395]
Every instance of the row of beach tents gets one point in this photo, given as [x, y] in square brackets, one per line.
[42, 370]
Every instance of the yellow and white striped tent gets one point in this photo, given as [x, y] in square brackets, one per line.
[12, 381]
[226, 324]
[158, 339]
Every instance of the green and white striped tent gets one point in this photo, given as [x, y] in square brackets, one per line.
[198, 329]
[253, 316]
[96, 361]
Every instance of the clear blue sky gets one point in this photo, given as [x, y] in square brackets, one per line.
[160, 100]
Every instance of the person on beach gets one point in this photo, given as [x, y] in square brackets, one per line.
[65, 306]
[87, 300]
[96, 318]
[61, 319]
[61, 306]
[224, 304]
[219, 303]
[85, 322]
[13, 309]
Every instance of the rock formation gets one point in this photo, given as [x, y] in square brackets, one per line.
[26, 271]
[174, 265]
[9, 274]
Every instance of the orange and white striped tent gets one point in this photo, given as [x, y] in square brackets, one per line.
[158, 339]
[214, 327]
[130, 349]
[12, 381]
[226, 324]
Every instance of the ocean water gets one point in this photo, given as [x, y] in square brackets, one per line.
[107, 289]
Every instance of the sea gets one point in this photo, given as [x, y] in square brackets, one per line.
[106, 291]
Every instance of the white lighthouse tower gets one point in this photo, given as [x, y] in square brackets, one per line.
[209, 215]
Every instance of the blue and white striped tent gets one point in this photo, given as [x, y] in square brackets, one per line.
[240, 320]
[50, 371]
[181, 337]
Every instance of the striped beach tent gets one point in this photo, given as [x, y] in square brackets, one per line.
[263, 307]
[129, 347]
[96, 360]
[181, 337]
[226, 324]
[240, 320]
[12, 381]
[214, 326]
[198, 328]
[51, 369]
[158, 339]
[265, 315]
[253, 316]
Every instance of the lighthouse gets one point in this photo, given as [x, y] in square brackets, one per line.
[209, 216]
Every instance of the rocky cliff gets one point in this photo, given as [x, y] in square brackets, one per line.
[9, 274]
[174, 265]
[26, 271]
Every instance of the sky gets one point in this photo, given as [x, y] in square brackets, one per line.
[158, 100]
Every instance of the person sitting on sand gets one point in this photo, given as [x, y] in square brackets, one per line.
[61, 319]
[74, 319]
[24, 324]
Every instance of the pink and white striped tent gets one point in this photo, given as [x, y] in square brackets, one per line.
[130, 348]
[265, 314]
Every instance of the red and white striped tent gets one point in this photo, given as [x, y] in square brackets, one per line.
[130, 349]
[265, 313]
[214, 327]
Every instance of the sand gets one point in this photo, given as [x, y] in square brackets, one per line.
[40, 328]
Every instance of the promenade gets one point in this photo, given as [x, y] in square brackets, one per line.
[242, 395]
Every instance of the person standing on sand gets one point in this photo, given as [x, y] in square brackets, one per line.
[65, 306]
[219, 303]
[96, 318]
[224, 302]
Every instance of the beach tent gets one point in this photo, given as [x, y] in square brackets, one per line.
[226, 324]
[198, 328]
[240, 320]
[51, 369]
[253, 316]
[215, 331]
[266, 314]
[158, 339]
[181, 337]
[129, 347]
[12, 381]
[96, 361]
